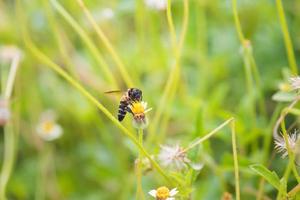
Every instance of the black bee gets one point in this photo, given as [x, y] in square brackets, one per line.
[130, 96]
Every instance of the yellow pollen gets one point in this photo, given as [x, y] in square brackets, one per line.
[137, 108]
[162, 193]
[48, 126]
[285, 87]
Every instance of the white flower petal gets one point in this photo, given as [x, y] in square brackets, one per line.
[152, 193]
[173, 192]
[197, 166]
[52, 134]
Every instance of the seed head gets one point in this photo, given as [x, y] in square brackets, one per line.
[280, 144]
[173, 157]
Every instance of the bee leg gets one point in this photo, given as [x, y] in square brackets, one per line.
[128, 110]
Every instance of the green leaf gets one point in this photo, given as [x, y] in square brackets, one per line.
[271, 177]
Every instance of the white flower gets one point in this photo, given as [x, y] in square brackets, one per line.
[47, 128]
[295, 82]
[173, 157]
[280, 145]
[4, 112]
[163, 193]
[139, 110]
[157, 4]
[107, 13]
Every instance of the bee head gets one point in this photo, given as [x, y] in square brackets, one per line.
[135, 94]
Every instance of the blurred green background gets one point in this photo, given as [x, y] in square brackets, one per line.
[92, 159]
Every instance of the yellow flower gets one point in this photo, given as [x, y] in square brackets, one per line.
[138, 110]
[163, 193]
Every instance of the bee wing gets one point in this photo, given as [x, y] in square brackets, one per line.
[114, 92]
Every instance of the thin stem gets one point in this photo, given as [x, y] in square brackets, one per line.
[207, 136]
[9, 135]
[294, 191]
[171, 26]
[282, 116]
[196, 142]
[295, 171]
[11, 76]
[139, 193]
[43, 170]
[237, 22]
[173, 78]
[59, 39]
[290, 153]
[8, 160]
[249, 63]
[107, 44]
[287, 38]
[235, 159]
[90, 44]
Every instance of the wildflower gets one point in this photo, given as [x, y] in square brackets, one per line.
[284, 87]
[139, 110]
[295, 82]
[107, 13]
[47, 128]
[280, 144]
[173, 157]
[4, 112]
[163, 193]
[156, 4]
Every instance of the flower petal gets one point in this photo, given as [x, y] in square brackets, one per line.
[173, 192]
[152, 193]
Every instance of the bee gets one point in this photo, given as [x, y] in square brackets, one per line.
[130, 96]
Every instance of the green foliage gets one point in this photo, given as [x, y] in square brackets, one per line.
[208, 69]
[268, 175]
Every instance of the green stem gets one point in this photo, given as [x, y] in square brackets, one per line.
[287, 38]
[294, 191]
[196, 142]
[8, 160]
[140, 194]
[235, 160]
[173, 78]
[90, 44]
[9, 135]
[107, 44]
[58, 38]
[237, 22]
[207, 136]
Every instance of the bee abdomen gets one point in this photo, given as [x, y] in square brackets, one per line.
[122, 110]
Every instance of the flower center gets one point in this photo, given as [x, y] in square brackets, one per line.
[137, 108]
[162, 193]
[48, 126]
